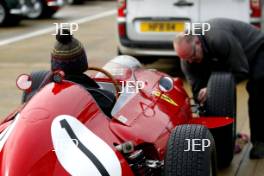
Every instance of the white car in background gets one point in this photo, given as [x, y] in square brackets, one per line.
[147, 27]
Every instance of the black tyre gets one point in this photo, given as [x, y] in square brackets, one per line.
[189, 163]
[119, 52]
[41, 10]
[221, 101]
[75, 2]
[37, 79]
[48, 13]
[7, 19]
[38, 8]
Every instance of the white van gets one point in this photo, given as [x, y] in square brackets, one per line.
[147, 27]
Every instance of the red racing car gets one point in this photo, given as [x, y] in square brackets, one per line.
[150, 129]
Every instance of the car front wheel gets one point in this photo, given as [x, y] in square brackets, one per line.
[36, 11]
[179, 161]
[7, 19]
[3, 11]
[40, 10]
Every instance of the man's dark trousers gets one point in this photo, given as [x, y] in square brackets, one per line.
[255, 88]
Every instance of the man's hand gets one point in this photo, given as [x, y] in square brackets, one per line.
[202, 96]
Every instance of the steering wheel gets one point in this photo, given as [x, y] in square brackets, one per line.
[109, 75]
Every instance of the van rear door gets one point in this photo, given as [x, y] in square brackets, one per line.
[235, 9]
[158, 20]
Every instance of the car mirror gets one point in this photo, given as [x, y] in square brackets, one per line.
[58, 76]
[166, 84]
[24, 82]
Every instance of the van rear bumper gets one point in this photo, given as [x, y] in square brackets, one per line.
[139, 48]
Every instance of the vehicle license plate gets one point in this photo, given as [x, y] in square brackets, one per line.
[160, 26]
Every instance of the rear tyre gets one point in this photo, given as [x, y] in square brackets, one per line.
[37, 79]
[221, 101]
[185, 163]
[7, 19]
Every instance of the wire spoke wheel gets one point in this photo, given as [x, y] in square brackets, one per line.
[36, 11]
[2, 13]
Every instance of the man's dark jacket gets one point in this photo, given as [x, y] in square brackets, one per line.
[229, 45]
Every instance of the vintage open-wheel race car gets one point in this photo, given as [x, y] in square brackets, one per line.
[139, 122]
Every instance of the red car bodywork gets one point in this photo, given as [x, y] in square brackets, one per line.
[150, 120]
[54, 5]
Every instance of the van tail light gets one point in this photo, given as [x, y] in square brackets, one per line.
[121, 8]
[255, 16]
[122, 29]
[121, 18]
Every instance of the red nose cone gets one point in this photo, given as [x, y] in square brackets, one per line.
[28, 149]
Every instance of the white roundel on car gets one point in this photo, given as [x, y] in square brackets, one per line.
[80, 151]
